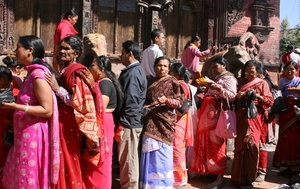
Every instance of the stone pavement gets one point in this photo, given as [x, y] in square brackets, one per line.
[200, 182]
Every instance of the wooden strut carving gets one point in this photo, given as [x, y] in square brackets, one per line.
[234, 12]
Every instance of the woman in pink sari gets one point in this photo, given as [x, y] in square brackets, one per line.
[183, 135]
[209, 149]
[33, 160]
[112, 98]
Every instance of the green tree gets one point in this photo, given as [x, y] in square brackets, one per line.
[288, 36]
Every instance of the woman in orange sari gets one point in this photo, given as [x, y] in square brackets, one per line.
[183, 135]
[246, 152]
[209, 149]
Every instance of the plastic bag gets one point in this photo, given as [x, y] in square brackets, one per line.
[186, 105]
[251, 110]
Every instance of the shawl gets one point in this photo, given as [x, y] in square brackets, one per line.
[251, 83]
[54, 131]
[88, 108]
[160, 119]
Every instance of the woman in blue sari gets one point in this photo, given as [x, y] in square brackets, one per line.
[163, 96]
[287, 149]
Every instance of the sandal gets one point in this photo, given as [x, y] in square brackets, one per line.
[260, 178]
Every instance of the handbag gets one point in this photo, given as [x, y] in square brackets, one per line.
[279, 104]
[9, 135]
[226, 125]
[187, 104]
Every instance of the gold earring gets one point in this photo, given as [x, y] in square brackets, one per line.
[74, 60]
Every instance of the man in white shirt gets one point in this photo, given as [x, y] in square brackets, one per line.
[153, 52]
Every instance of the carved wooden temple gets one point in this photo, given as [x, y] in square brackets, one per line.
[217, 22]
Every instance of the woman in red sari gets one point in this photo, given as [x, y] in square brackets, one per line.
[209, 149]
[79, 115]
[246, 152]
[6, 116]
[63, 29]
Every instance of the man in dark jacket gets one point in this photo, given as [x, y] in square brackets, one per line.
[134, 84]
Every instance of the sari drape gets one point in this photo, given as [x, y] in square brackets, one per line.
[183, 136]
[210, 150]
[246, 152]
[287, 148]
[35, 141]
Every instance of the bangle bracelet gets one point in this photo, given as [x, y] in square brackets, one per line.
[26, 109]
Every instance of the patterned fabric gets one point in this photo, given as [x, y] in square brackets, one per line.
[160, 120]
[29, 158]
[156, 171]
[76, 83]
[210, 150]
[84, 106]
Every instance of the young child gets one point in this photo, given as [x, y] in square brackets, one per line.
[16, 68]
[6, 115]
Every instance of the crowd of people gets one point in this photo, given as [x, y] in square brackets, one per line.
[66, 117]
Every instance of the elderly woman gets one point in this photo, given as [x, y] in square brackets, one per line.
[163, 97]
[257, 91]
[286, 153]
[79, 115]
[209, 149]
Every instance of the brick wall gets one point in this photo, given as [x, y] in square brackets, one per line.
[269, 49]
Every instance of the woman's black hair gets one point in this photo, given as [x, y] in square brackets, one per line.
[38, 51]
[250, 63]
[12, 62]
[294, 64]
[68, 13]
[195, 38]
[181, 71]
[162, 58]
[104, 63]
[5, 73]
[221, 60]
[262, 70]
